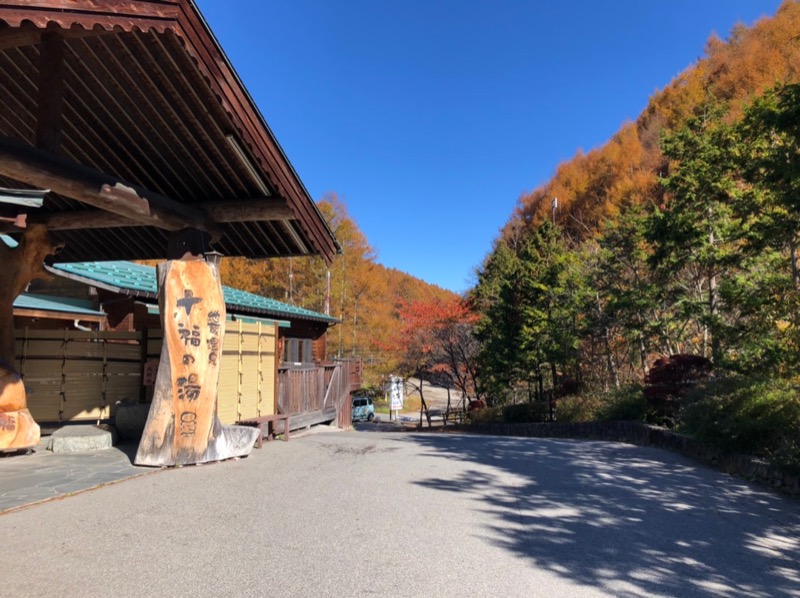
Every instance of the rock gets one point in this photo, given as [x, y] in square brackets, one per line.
[77, 439]
[130, 419]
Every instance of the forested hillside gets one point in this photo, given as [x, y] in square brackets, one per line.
[676, 244]
[364, 294]
[678, 236]
[594, 186]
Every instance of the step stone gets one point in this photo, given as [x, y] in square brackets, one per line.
[75, 439]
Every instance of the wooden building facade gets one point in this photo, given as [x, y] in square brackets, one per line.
[81, 355]
[131, 125]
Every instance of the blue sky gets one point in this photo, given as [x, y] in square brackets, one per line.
[430, 118]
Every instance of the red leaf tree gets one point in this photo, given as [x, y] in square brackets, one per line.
[436, 344]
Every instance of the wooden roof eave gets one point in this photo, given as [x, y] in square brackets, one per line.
[183, 18]
[254, 129]
[24, 312]
[92, 16]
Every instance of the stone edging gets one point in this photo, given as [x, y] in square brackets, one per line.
[750, 468]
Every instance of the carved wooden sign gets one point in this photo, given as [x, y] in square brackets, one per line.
[20, 265]
[18, 430]
[182, 427]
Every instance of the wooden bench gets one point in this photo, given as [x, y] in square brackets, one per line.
[454, 416]
[270, 421]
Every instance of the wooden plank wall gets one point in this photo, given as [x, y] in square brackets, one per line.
[248, 376]
[302, 389]
[76, 376]
[248, 370]
[73, 375]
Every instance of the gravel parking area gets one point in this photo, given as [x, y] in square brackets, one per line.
[399, 514]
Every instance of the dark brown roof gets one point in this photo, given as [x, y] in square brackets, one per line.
[134, 118]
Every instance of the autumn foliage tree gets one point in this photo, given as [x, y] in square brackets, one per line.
[594, 185]
[436, 343]
[363, 294]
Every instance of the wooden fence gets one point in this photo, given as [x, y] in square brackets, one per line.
[248, 369]
[73, 375]
[76, 376]
[314, 394]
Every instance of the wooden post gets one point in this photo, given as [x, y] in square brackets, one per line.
[51, 92]
[182, 427]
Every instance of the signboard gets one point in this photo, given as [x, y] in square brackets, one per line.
[396, 393]
[150, 372]
[182, 427]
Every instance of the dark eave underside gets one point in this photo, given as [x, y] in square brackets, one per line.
[138, 105]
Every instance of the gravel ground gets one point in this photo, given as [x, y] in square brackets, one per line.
[396, 514]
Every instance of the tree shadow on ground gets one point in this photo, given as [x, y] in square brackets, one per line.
[631, 521]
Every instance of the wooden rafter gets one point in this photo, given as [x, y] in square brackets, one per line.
[150, 97]
[51, 92]
[41, 169]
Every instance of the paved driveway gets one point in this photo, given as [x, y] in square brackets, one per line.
[394, 514]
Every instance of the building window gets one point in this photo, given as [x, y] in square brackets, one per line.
[298, 350]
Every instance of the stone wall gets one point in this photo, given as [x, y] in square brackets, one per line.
[750, 468]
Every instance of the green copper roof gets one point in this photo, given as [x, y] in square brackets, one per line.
[79, 307]
[140, 281]
[116, 276]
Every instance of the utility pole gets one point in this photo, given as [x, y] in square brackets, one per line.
[555, 207]
[327, 293]
[291, 281]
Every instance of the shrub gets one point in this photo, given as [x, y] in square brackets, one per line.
[579, 408]
[487, 415]
[625, 404]
[759, 417]
[668, 381]
[476, 404]
[525, 413]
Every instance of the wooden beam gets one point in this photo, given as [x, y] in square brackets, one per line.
[15, 38]
[26, 164]
[51, 92]
[248, 210]
[24, 312]
[84, 219]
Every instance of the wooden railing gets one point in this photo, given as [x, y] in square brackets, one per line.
[356, 367]
[313, 394]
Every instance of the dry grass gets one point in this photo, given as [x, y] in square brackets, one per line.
[411, 404]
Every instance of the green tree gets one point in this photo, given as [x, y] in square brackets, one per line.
[498, 330]
[626, 295]
[694, 234]
[529, 295]
[769, 207]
